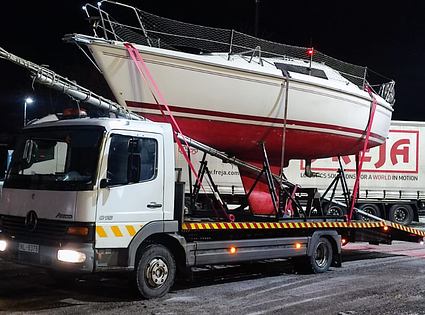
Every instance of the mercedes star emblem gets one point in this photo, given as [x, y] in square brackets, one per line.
[31, 220]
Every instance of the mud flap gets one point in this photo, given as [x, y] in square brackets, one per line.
[336, 260]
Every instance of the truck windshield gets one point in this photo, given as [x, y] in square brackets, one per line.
[55, 159]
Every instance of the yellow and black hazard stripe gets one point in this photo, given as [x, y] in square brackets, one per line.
[276, 225]
[117, 230]
[407, 229]
[196, 226]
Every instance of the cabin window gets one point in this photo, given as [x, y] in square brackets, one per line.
[131, 160]
[64, 158]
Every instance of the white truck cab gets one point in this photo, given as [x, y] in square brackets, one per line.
[82, 188]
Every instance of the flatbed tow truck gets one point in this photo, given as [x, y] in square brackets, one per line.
[86, 195]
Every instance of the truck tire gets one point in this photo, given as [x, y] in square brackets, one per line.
[401, 214]
[155, 271]
[369, 208]
[320, 259]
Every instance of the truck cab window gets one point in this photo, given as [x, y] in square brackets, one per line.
[131, 160]
[63, 159]
[148, 159]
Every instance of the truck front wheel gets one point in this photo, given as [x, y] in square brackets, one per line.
[155, 271]
[401, 214]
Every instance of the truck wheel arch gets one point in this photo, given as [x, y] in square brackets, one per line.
[153, 232]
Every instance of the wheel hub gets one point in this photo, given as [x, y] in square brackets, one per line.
[156, 272]
[321, 255]
[400, 215]
[334, 211]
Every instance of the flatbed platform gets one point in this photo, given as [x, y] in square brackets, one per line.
[374, 232]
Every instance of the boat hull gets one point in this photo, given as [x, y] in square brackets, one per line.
[234, 109]
[242, 141]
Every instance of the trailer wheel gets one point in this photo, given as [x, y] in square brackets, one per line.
[401, 214]
[335, 211]
[155, 271]
[369, 208]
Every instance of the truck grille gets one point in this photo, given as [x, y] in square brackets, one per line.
[45, 232]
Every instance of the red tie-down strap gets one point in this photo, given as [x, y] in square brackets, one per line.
[135, 56]
[362, 155]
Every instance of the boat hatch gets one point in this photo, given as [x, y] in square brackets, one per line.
[301, 69]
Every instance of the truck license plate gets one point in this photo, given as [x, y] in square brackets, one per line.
[31, 248]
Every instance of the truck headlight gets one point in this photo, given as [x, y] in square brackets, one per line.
[71, 256]
[3, 246]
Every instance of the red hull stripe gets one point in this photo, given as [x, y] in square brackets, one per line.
[221, 115]
[188, 226]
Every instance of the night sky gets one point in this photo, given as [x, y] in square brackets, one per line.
[385, 36]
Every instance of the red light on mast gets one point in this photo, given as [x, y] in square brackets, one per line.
[310, 51]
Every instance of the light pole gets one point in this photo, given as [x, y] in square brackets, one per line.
[28, 100]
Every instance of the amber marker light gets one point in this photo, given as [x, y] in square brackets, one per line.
[68, 112]
[298, 245]
[75, 230]
[343, 241]
[386, 228]
[232, 250]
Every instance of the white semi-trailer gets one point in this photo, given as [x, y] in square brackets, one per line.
[392, 184]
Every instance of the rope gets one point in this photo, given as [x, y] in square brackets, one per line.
[359, 171]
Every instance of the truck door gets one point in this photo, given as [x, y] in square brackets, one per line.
[131, 195]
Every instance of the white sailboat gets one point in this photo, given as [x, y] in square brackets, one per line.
[233, 91]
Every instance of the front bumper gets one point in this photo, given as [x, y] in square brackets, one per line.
[46, 256]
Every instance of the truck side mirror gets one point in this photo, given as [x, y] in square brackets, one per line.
[26, 161]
